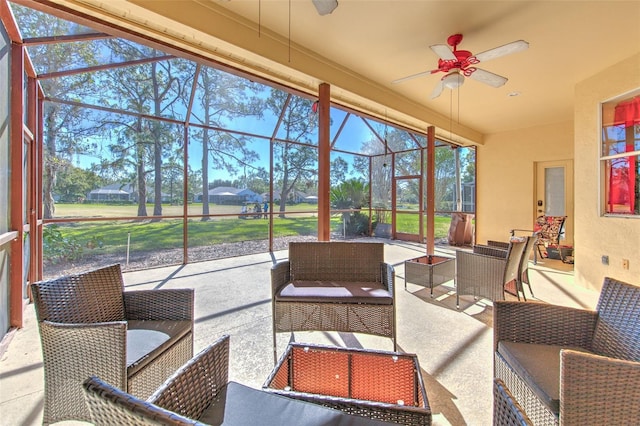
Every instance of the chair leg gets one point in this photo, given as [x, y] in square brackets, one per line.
[528, 281]
[520, 288]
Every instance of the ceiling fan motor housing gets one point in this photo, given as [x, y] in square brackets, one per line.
[454, 40]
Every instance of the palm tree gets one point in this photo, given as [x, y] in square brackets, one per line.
[350, 194]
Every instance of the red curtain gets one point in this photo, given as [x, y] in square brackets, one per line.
[627, 114]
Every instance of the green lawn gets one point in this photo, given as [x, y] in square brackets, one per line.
[131, 210]
[78, 239]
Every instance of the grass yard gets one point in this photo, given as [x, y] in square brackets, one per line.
[75, 240]
[131, 210]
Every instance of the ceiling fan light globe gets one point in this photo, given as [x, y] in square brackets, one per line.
[325, 7]
[453, 80]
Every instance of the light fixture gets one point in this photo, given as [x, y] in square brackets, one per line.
[453, 80]
[325, 7]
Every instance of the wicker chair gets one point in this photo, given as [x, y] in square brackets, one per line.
[90, 326]
[498, 248]
[334, 286]
[483, 275]
[573, 366]
[181, 400]
[506, 410]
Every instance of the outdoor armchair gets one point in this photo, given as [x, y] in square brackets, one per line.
[180, 400]
[90, 326]
[572, 366]
[498, 248]
[483, 275]
[506, 410]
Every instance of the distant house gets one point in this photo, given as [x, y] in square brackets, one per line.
[294, 197]
[231, 195]
[113, 192]
[124, 192]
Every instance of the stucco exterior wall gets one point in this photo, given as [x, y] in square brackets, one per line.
[596, 235]
[505, 186]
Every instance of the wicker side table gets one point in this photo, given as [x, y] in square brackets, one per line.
[380, 385]
[429, 271]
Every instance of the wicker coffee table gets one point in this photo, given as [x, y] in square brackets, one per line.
[381, 385]
[429, 271]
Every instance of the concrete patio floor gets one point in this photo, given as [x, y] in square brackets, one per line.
[454, 347]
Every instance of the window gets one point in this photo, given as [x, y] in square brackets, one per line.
[620, 155]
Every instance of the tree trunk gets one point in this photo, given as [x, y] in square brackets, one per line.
[49, 172]
[142, 189]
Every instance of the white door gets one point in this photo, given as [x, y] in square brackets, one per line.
[554, 193]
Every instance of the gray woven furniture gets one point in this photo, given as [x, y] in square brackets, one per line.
[429, 271]
[484, 275]
[573, 366]
[334, 286]
[90, 326]
[199, 394]
[181, 400]
[506, 410]
[499, 248]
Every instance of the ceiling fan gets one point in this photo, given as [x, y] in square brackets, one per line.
[458, 64]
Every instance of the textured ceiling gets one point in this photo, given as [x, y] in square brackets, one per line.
[366, 44]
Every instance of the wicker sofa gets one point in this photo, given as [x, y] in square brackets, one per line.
[572, 366]
[334, 286]
[89, 326]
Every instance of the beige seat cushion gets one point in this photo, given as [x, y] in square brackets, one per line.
[146, 340]
[336, 292]
[538, 366]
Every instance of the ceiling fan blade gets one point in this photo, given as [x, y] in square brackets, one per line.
[489, 78]
[443, 52]
[507, 49]
[420, 74]
[437, 90]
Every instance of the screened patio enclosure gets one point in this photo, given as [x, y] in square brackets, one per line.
[148, 159]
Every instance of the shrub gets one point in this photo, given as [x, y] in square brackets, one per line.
[57, 247]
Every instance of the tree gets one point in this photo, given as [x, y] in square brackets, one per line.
[73, 183]
[445, 178]
[348, 195]
[339, 170]
[156, 88]
[65, 125]
[468, 160]
[295, 160]
[224, 97]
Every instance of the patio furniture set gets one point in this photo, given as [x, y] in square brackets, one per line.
[126, 357]
[486, 271]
